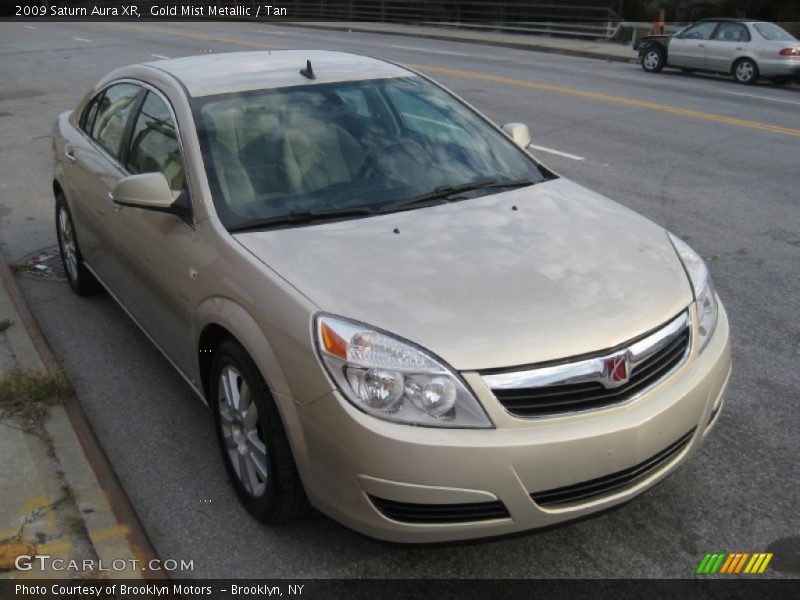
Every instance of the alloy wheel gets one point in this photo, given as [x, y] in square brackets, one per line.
[242, 433]
[67, 240]
[745, 71]
[651, 60]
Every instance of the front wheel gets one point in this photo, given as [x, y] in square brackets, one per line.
[745, 71]
[79, 277]
[653, 60]
[254, 445]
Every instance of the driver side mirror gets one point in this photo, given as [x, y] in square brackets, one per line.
[519, 133]
[149, 191]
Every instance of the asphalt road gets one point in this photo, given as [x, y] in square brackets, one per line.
[710, 160]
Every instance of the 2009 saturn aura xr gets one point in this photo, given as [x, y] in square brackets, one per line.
[393, 310]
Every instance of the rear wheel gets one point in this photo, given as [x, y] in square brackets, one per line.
[79, 277]
[745, 71]
[653, 59]
[254, 445]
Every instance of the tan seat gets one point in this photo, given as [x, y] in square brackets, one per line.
[315, 157]
[231, 176]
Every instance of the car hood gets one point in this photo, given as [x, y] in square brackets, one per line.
[524, 276]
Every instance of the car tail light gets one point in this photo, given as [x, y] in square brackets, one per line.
[790, 52]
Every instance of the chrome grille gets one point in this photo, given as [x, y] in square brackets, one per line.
[589, 383]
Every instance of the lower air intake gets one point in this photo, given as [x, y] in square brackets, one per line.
[408, 512]
[608, 484]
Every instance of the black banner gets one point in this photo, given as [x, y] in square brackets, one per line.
[397, 589]
[403, 11]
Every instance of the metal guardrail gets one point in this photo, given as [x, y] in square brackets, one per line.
[604, 30]
[580, 20]
[521, 16]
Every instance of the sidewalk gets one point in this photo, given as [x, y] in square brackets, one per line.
[51, 503]
[542, 43]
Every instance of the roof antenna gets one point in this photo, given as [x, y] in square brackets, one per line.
[308, 71]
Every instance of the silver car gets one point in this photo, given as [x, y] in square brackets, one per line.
[393, 310]
[744, 49]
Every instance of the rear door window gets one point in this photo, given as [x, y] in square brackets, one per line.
[89, 115]
[732, 32]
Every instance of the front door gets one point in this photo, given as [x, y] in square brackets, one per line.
[688, 48]
[153, 277]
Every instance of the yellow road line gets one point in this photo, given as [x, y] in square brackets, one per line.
[560, 89]
[197, 36]
[110, 533]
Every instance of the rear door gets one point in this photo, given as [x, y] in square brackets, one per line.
[93, 168]
[729, 42]
[688, 48]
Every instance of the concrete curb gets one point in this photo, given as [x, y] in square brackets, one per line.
[533, 46]
[111, 521]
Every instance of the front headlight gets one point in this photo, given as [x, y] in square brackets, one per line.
[703, 288]
[391, 379]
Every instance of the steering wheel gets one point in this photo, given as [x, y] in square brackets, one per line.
[412, 149]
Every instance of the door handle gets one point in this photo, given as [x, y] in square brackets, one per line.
[110, 196]
[70, 155]
[740, 47]
[701, 45]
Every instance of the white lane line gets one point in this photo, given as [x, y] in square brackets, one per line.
[270, 32]
[77, 39]
[29, 27]
[763, 97]
[448, 52]
[159, 56]
[557, 152]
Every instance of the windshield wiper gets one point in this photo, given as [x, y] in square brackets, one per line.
[445, 191]
[302, 216]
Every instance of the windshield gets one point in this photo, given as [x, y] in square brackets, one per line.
[331, 147]
[773, 33]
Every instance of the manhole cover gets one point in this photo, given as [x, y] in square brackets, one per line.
[44, 265]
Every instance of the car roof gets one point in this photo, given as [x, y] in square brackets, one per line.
[729, 20]
[210, 74]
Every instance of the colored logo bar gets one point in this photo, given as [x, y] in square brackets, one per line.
[727, 563]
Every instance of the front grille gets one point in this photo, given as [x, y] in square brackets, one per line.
[408, 512]
[608, 484]
[572, 397]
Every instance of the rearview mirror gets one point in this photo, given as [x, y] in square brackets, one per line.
[149, 191]
[519, 133]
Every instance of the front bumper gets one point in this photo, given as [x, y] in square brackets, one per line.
[346, 456]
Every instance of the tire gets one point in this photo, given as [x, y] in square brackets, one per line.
[745, 71]
[80, 279]
[254, 446]
[653, 59]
